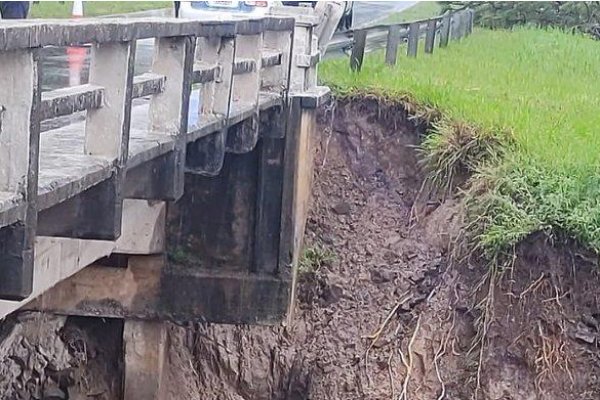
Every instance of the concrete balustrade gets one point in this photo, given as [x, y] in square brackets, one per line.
[75, 194]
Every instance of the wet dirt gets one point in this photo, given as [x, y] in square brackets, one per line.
[384, 309]
[389, 313]
[46, 357]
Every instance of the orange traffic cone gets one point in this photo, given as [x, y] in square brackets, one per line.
[75, 58]
[76, 55]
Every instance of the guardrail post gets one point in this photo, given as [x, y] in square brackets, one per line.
[430, 36]
[464, 23]
[456, 26]
[358, 49]
[413, 39]
[19, 149]
[393, 41]
[470, 15]
[445, 30]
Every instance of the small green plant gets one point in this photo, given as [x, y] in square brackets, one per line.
[182, 256]
[314, 257]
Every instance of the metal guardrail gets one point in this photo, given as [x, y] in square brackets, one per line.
[451, 26]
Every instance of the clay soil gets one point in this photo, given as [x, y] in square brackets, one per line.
[386, 308]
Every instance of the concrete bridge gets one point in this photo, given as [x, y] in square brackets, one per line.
[136, 213]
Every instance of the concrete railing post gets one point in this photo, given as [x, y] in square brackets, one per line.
[303, 52]
[19, 149]
[173, 58]
[276, 78]
[246, 90]
[206, 155]
[107, 128]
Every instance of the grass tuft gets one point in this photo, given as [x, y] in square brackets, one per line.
[315, 257]
[453, 151]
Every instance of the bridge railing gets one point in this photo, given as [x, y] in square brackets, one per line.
[71, 181]
[440, 29]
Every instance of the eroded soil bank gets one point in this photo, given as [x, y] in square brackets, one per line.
[384, 310]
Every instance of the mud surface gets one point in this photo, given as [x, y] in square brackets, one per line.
[52, 358]
[385, 309]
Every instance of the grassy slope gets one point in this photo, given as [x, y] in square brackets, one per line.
[538, 87]
[56, 9]
[421, 10]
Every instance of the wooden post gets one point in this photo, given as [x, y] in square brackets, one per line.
[19, 149]
[430, 36]
[471, 17]
[173, 58]
[393, 41]
[456, 31]
[464, 23]
[445, 30]
[413, 39]
[358, 49]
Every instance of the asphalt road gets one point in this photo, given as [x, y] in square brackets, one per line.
[62, 67]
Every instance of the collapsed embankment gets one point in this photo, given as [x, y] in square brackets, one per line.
[391, 304]
[388, 304]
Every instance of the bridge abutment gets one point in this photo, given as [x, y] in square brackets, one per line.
[152, 210]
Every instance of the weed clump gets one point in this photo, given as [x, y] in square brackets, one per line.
[313, 258]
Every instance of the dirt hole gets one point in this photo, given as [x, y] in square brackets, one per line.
[383, 309]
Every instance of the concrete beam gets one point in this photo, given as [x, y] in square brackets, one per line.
[148, 84]
[57, 259]
[143, 227]
[32, 33]
[150, 290]
[70, 100]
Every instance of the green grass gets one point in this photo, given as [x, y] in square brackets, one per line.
[421, 10]
[57, 9]
[534, 91]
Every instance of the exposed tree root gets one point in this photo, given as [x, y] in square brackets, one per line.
[408, 363]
